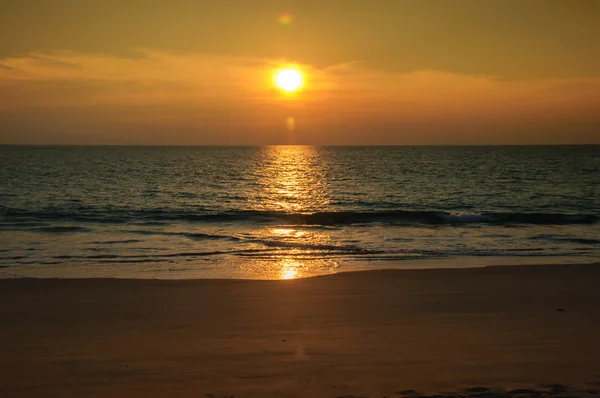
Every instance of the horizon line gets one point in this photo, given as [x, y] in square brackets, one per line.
[313, 145]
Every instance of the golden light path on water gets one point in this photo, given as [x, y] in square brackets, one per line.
[292, 179]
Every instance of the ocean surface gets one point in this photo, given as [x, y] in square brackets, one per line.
[292, 211]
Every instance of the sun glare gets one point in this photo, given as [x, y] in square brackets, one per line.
[289, 80]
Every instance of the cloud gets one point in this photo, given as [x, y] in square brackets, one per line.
[207, 98]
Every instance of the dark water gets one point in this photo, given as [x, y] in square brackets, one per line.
[271, 212]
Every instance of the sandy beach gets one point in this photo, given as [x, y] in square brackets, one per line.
[479, 332]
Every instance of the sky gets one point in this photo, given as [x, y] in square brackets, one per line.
[377, 72]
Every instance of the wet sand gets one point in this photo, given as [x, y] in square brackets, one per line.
[361, 334]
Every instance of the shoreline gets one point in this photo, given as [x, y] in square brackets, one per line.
[235, 270]
[393, 272]
[363, 334]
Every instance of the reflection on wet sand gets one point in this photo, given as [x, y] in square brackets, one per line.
[286, 266]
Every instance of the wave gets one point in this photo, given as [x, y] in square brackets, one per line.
[61, 229]
[272, 254]
[13, 217]
[115, 242]
[569, 239]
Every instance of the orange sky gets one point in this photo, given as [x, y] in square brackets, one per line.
[390, 72]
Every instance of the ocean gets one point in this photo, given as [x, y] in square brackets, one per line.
[292, 211]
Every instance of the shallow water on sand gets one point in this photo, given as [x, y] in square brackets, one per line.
[292, 211]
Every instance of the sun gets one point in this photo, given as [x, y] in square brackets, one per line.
[289, 80]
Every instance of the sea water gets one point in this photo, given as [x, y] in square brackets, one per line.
[292, 211]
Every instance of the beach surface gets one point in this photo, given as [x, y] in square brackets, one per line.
[478, 332]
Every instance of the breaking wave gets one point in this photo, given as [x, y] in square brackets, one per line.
[19, 219]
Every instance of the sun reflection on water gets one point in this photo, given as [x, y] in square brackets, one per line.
[287, 232]
[292, 180]
[289, 269]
